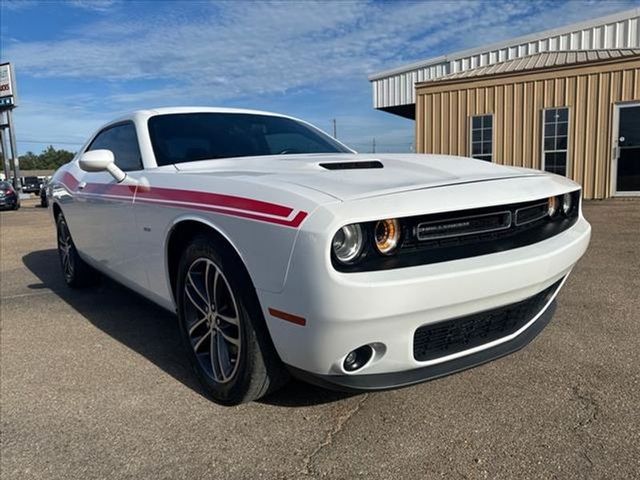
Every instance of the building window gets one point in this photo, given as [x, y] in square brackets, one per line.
[554, 142]
[481, 137]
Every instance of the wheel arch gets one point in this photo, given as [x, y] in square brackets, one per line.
[180, 234]
[57, 210]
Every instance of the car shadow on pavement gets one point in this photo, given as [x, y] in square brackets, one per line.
[148, 329]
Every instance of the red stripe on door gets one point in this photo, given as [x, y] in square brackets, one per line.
[216, 199]
[205, 201]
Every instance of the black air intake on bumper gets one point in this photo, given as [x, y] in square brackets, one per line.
[452, 336]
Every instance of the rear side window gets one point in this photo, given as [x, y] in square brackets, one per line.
[122, 140]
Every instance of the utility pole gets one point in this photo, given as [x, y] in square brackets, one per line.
[335, 131]
[14, 152]
[373, 147]
[5, 157]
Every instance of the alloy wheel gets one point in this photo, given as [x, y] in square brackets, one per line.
[65, 246]
[212, 320]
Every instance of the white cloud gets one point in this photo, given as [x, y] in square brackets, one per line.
[239, 48]
[40, 123]
[94, 5]
[234, 51]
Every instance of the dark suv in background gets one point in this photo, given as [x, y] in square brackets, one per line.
[31, 185]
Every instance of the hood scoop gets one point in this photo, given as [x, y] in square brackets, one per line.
[367, 164]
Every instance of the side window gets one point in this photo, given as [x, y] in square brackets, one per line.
[554, 142]
[482, 137]
[123, 142]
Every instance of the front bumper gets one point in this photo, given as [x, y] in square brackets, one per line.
[381, 381]
[385, 308]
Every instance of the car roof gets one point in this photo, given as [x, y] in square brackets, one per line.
[167, 110]
[144, 115]
[152, 112]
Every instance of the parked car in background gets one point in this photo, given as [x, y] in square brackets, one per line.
[31, 184]
[8, 196]
[283, 251]
[44, 201]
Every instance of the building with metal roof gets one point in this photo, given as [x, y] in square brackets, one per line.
[393, 90]
[542, 61]
[565, 100]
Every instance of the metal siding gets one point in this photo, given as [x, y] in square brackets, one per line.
[462, 123]
[453, 125]
[436, 126]
[419, 125]
[624, 33]
[589, 91]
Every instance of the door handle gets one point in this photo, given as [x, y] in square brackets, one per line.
[81, 185]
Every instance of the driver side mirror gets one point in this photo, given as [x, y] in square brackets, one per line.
[101, 161]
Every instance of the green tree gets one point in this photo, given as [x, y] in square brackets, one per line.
[49, 159]
[29, 161]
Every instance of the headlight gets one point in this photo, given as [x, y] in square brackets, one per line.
[387, 235]
[348, 242]
[552, 206]
[567, 203]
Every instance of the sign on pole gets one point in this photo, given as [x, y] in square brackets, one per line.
[7, 87]
[7, 104]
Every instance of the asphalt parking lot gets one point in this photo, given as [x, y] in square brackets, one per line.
[94, 384]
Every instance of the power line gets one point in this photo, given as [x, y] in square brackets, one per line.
[48, 142]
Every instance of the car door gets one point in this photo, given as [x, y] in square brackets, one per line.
[108, 231]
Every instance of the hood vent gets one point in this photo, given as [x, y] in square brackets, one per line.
[352, 165]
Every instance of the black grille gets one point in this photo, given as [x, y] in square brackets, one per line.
[452, 336]
[461, 226]
[446, 236]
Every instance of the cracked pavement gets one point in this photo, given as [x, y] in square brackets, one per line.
[94, 385]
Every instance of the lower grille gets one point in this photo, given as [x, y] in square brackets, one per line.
[452, 336]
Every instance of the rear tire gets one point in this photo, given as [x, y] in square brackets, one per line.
[76, 272]
[222, 325]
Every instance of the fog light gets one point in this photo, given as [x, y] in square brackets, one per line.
[351, 358]
[567, 203]
[357, 358]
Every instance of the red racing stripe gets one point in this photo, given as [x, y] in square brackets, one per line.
[295, 222]
[70, 182]
[205, 201]
[216, 199]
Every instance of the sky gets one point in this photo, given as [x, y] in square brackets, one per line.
[81, 63]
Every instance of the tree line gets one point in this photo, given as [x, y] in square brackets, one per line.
[50, 159]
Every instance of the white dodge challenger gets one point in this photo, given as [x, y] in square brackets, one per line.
[283, 251]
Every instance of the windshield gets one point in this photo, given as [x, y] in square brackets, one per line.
[188, 137]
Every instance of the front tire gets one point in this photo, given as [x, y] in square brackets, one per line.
[222, 325]
[76, 272]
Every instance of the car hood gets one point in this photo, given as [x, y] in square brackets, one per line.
[399, 172]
